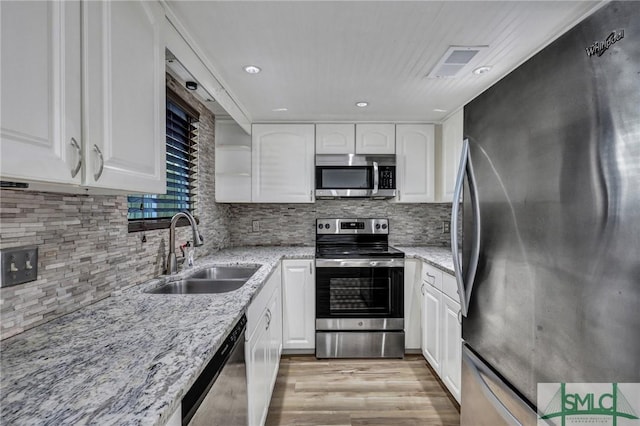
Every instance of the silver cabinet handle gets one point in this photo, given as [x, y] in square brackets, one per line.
[465, 283]
[422, 289]
[375, 178]
[97, 175]
[76, 169]
[268, 314]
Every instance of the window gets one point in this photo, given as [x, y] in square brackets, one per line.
[152, 211]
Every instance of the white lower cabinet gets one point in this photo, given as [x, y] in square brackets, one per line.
[451, 345]
[298, 304]
[431, 325]
[263, 348]
[441, 327]
[412, 304]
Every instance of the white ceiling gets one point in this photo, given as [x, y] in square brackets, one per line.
[319, 57]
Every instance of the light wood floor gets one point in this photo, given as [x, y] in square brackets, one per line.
[358, 393]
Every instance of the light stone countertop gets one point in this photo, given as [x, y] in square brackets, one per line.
[440, 257]
[130, 358]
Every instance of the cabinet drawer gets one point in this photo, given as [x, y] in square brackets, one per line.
[432, 276]
[450, 287]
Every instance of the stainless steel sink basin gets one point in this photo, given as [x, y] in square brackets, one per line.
[199, 286]
[227, 272]
[217, 279]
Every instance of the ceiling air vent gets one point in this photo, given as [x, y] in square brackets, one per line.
[454, 60]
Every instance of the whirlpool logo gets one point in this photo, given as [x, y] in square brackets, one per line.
[599, 47]
[588, 404]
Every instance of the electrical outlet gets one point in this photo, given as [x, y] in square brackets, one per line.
[446, 227]
[256, 225]
[19, 265]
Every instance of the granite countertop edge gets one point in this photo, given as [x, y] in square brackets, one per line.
[438, 256]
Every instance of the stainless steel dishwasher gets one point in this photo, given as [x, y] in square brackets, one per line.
[219, 395]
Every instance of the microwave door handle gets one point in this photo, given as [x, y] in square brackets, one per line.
[375, 178]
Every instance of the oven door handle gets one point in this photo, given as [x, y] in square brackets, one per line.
[360, 263]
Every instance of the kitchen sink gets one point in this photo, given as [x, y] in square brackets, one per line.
[217, 279]
[227, 272]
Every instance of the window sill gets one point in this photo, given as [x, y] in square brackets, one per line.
[140, 225]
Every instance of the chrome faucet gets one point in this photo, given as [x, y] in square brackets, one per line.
[172, 261]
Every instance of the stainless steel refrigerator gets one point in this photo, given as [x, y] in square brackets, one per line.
[549, 256]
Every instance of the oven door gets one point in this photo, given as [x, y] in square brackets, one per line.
[359, 291]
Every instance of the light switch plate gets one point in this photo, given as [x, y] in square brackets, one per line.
[19, 265]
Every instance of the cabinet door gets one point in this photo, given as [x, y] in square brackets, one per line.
[375, 139]
[415, 146]
[431, 326]
[412, 303]
[275, 340]
[282, 163]
[257, 359]
[232, 163]
[452, 135]
[335, 138]
[451, 346]
[299, 304]
[40, 124]
[124, 94]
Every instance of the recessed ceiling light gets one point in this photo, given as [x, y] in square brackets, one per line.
[252, 69]
[439, 110]
[280, 109]
[482, 70]
[362, 104]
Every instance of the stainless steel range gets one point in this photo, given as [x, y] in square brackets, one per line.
[359, 290]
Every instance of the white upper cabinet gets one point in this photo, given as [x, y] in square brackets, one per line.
[124, 95]
[452, 134]
[335, 138]
[282, 163]
[233, 163]
[375, 139]
[41, 118]
[415, 145]
[116, 63]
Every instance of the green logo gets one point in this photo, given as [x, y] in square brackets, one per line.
[587, 403]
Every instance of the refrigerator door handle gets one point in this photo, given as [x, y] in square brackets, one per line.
[478, 369]
[465, 282]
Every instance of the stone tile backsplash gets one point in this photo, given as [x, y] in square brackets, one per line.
[294, 224]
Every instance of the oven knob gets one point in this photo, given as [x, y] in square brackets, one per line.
[360, 323]
[320, 226]
[384, 226]
[377, 226]
[327, 225]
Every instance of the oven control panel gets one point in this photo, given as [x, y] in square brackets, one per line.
[352, 226]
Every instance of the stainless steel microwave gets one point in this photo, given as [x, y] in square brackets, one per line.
[355, 175]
